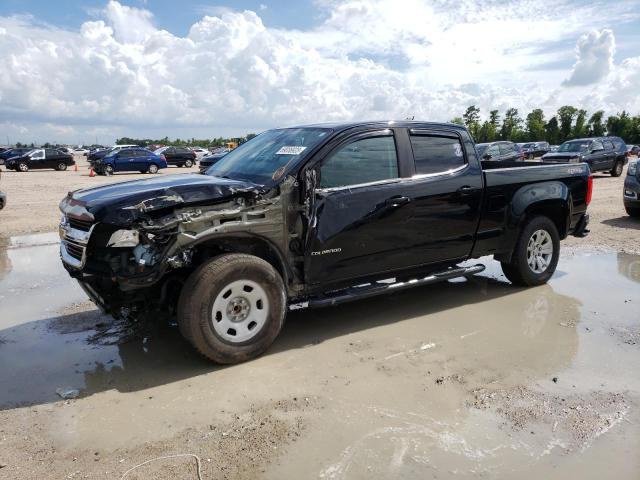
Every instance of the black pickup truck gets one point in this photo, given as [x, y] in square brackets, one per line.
[314, 216]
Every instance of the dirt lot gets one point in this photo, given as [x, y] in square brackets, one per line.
[33, 204]
[465, 379]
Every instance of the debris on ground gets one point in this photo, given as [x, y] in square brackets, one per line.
[67, 393]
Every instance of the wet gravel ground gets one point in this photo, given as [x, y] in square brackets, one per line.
[462, 379]
[466, 378]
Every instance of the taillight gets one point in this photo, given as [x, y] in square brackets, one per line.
[162, 157]
[589, 189]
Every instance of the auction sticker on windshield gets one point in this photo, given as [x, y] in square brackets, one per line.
[291, 150]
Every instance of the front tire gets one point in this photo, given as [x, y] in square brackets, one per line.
[536, 253]
[107, 169]
[22, 167]
[633, 211]
[616, 171]
[232, 308]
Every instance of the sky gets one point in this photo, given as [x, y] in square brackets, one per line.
[79, 71]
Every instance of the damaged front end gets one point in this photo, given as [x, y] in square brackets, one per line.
[133, 257]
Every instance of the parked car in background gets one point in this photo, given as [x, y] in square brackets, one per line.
[553, 148]
[633, 151]
[130, 160]
[40, 158]
[13, 152]
[212, 158]
[603, 154]
[631, 192]
[97, 155]
[120, 147]
[500, 151]
[534, 149]
[178, 156]
[80, 151]
[200, 152]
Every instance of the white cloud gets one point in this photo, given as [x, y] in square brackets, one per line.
[121, 75]
[594, 53]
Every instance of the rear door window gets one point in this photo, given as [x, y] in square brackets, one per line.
[608, 146]
[361, 161]
[506, 148]
[436, 154]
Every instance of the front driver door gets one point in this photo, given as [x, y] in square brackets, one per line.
[359, 213]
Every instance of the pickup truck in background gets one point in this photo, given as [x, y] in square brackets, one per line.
[313, 216]
[606, 154]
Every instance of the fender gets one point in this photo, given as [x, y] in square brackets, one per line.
[551, 198]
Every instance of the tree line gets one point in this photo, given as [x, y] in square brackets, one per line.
[568, 123]
[193, 142]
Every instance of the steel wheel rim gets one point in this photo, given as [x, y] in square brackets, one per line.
[539, 251]
[240, 311]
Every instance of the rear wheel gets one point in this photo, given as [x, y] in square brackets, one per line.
[616, 171]
[61, 167]
[188, 163]
[232, 308]
[22, 167]
[633, 211]
[536, 253]
[153, 168]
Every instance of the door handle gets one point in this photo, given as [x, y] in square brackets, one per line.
[465, 190]
[397, 201]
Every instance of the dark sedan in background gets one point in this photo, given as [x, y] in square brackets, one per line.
[535, 149]
[212, 158]
[40, 158]
[13, 152]
[500, 151]
[178, 156]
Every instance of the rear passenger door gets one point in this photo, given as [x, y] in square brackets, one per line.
[445, 194]
[51, 158]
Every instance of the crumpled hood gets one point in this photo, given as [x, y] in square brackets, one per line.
[121, 203]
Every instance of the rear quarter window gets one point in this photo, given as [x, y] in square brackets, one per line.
[436, 154]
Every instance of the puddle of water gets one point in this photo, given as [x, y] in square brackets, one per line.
[396, 373]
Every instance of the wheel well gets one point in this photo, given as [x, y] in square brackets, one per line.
[554, 211]
[255, 246]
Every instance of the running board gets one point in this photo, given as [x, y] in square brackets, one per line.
[379, 288]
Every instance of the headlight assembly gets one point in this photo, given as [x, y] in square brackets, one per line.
[124, 238]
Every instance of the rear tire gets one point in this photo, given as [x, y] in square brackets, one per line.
[616, 171]
[153, 168]
[232, 308]
[535, 256]
[633, 211]
[61, 167]
[188, 163]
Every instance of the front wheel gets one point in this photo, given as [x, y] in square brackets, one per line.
[633, 211]
[153, 168]
[616, 171]
[23, 167]
[232, 308]
[107, 169]
[536, 253]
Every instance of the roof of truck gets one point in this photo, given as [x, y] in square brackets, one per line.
[339, 126]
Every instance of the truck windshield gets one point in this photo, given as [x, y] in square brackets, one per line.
[573, 147]
[269, 155]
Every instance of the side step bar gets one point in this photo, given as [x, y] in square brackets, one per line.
[379, 288]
